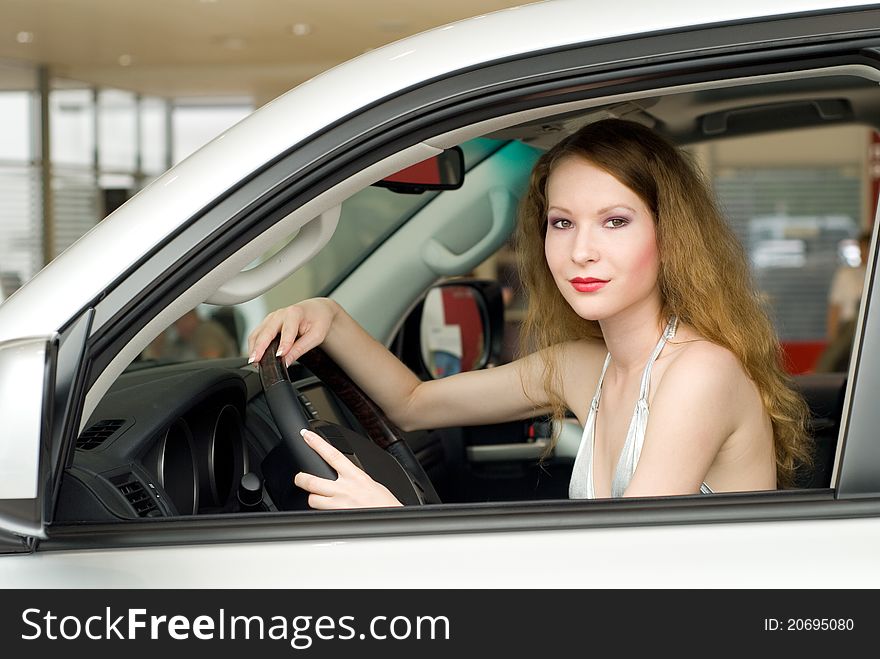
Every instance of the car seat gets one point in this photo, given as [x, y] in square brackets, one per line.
[824, 394]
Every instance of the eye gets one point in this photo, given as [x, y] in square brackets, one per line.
[560, 223]
[616, 222]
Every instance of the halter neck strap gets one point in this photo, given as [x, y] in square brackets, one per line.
[668, 333]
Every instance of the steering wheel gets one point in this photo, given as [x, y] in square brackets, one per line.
[384, 454]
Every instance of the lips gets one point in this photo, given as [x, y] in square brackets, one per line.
[587, 284]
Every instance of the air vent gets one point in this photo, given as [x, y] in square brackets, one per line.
[94, 435]
[137, 495]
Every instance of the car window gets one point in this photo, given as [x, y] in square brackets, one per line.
[798, 220]
[795, 198]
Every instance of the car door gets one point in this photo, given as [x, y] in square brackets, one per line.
[720, 540]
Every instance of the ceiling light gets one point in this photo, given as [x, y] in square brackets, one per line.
[24, 37]
[124, 60]
[301, 29]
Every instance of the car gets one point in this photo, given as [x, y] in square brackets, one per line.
[120, 467]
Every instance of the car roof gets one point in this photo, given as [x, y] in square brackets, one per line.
[160, 210]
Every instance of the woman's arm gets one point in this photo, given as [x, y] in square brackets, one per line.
[504, 393]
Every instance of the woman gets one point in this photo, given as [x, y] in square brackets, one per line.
[639, 298]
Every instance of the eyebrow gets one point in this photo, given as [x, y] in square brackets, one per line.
[602, 211]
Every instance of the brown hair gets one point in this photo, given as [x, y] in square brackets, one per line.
[703, 278]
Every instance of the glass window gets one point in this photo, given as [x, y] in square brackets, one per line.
[21, 231]
[117, 130]
[72, 126]
[367, 218]
[154, 136]
[193, 126]
[16, 140]
[76, 207]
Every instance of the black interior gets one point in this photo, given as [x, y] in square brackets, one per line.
[824, 393]
[177, 439]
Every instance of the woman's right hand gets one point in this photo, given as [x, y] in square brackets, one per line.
[353, 487]
[303, 326]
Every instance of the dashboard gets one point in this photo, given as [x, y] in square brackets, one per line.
[178, 439]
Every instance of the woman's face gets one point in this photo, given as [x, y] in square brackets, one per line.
[600, 246]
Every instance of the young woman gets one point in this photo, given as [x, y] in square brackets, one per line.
[642, 321]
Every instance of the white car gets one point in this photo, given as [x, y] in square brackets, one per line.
[117, 469]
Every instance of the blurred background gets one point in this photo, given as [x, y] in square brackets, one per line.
[99, 97]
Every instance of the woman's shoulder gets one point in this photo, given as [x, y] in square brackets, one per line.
[707, 386]
[697, 362]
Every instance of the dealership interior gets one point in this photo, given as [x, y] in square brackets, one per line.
[100, 97]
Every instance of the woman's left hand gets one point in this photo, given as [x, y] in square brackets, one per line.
[353, 488]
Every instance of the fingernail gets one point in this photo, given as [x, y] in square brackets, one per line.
[303, 432]
[278, 354]
[252, 358]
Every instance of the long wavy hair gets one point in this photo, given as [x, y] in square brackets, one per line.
[704, 276]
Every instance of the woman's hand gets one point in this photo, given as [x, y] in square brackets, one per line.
[353, 488]
[302, 326]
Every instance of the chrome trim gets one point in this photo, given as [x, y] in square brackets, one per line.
[569, 433]
[190, 485]
[503, 452]
[236, 454]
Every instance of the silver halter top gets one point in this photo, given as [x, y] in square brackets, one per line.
[581, 485]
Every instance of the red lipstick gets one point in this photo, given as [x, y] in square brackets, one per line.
[587, 284]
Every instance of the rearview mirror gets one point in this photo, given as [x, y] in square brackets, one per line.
[445, 171]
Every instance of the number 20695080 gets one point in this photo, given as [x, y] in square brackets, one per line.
[808, 624]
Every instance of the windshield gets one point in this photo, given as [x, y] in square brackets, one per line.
[368, 218]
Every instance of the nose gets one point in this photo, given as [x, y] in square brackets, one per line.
[584, 248]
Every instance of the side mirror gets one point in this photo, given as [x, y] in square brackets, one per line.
[27, 378]
[452, 331]
[445, 171]
[458, 326]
